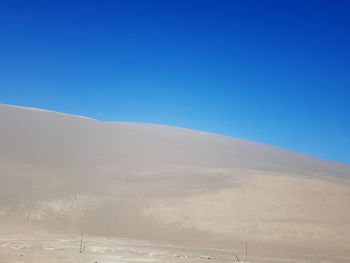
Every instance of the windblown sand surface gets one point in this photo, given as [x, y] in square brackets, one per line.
[61, 175]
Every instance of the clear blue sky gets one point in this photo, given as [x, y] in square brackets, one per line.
[276, 72]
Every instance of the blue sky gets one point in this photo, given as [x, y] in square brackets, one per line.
[276, 72]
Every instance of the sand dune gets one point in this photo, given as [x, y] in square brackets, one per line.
[61, 174]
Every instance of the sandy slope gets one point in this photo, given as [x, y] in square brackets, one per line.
[61, 174]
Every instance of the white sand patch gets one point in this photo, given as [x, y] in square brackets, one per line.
[264, 207]
[58, 208]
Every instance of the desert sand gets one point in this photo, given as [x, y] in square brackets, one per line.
[143, 193]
